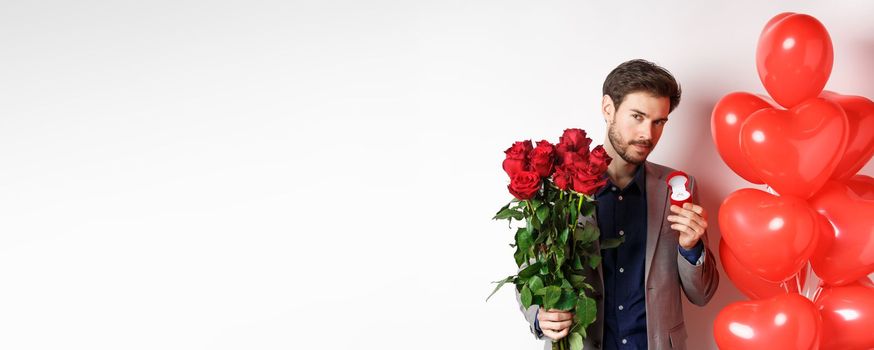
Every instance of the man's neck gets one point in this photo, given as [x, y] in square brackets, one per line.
[621, 172]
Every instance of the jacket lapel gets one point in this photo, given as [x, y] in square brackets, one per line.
[656, 204]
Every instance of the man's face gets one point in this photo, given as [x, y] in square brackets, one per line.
[635, 128]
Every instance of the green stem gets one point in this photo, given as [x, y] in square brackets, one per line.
[580, 204]
[527, 202]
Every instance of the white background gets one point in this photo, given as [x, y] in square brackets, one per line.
[287, 175]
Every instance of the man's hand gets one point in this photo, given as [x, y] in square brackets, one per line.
[555, 324]
[690, 221]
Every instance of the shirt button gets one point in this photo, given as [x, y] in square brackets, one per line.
[620, 197]
[624, 341]
[621, 270]
[620, 307]
[621, 233]
[614, 188]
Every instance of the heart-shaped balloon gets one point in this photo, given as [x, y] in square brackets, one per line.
[860, 139]
[825, 237]
[794, 58]
[862, 186]
[773, 236]
[725, 122]
[795, 151]
[847, 317]
[753, 286]
[851, 256]
[781, 323]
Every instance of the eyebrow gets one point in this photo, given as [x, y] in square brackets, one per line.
[645, 115]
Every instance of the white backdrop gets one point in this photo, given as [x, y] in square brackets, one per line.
[287, 175]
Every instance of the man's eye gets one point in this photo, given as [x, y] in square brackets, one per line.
[636, 116]
[661, 122]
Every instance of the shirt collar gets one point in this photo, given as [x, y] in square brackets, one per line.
[639, 181]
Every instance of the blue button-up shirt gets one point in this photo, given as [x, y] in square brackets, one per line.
[622, 213]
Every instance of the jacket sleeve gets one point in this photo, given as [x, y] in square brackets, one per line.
[699, 280]
[529, 313]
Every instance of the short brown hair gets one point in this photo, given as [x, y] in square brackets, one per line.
[641, 75]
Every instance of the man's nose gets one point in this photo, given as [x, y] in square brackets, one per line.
[644, 132]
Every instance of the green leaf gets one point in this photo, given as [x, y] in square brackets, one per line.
[586, 311]
[523, 238]
[611, 243]
[526, 297]
[529, 271]
[551, 297]
[567, 301]
[578, 265]
[562, 237]
[577, 281]
[535, 283]
[519, 255]
[594, 261]
[581, 331]
[559, 256]
[576, 341]
[544, 269]
[531, 223]
[542, 213]
[585, 234]
[504, 214]
[500, 284]
[588, 208]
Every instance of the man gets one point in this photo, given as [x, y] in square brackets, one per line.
[665, 250]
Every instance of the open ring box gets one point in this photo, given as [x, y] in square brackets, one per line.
[678, 184]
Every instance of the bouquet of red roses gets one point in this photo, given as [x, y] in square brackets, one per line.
[553, 186]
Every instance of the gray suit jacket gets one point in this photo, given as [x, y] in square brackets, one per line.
[666, 273]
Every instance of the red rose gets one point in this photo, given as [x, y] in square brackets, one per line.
[589, 187]
[524, 185]
[574, 140]
[573, 159]
[517, 157]
[542, 158]
[588, 179]
[563, 177]
[599, 159]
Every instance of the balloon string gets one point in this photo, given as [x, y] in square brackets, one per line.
[798, 283]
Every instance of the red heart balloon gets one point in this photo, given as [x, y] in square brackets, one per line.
[795, 151]
[784, 322]
[794, 58]
[773, 236]
[725, 122]
[860, 139]
[825, 237]
[851, 256]
[753, 286]
[862, 186]
[847, 317]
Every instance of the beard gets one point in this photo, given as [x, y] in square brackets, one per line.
[622, 148]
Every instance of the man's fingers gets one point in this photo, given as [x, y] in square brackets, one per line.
[694, 207]
[686, 230]
[555, 326]
[689, 210]
[696, 221]
[554, 315]
[556, 335]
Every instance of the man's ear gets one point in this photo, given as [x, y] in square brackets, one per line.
[607, 108]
